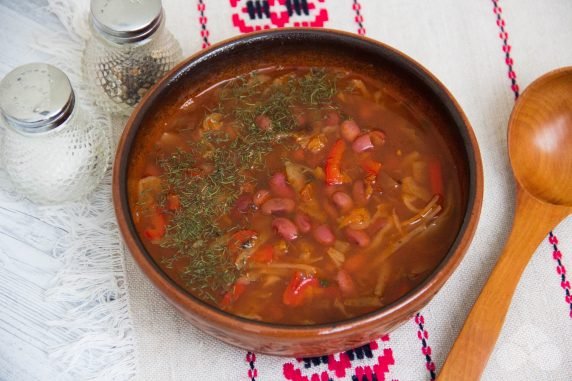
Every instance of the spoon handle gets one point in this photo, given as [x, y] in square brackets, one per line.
[532, 222]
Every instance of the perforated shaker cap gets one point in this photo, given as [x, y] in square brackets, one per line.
[126, 21]
[36, 98]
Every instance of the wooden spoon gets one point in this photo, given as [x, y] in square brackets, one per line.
[540, 151]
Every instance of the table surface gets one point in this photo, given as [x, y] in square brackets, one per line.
[27, 244]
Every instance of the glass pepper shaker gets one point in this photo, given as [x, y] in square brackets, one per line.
[51, 150]
[129, 51]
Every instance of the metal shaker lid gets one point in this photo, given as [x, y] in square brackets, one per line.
[126, 21]
[36, 98]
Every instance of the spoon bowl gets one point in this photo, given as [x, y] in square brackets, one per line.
[539, 141]
[540, 137]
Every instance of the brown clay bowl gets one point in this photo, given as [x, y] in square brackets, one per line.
[313, 47]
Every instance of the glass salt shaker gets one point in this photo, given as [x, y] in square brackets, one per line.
[51, 150]
[129, 51]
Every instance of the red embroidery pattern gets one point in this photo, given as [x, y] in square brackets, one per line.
[203, 21]
[560, 269]
[359, 17]
[253, 15]
[423, 335]
[353, 363]
[506, 48]
[252, 371]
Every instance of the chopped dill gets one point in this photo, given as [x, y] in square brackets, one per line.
[317, 88]
[208, 178]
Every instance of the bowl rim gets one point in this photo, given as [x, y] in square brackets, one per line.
[418, 297]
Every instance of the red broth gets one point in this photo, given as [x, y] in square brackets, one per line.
[297, 195]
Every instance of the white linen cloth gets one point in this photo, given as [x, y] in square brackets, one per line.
[462, 44]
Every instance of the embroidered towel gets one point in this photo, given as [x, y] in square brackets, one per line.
[467, 45]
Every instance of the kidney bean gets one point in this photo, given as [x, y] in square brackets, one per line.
[346, 283]
[331, 189]
[343, 201]
[280, 187]
[358, 193]
[332, 118]
[261, 197]
[300, 117]
[349, 130]
[323, 234]
[285, 228]
[276, 205]
[263, 122]
[303, 222]
[244, 203]
[330, 210]
[362, 143]
[358, 236]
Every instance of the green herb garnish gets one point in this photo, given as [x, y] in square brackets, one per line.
[209, 177]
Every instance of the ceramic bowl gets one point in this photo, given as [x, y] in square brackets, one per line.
[312, 47]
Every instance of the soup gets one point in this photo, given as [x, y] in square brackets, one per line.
[296, 195]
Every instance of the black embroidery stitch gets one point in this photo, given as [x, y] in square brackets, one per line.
[298, 6]
[258, 9]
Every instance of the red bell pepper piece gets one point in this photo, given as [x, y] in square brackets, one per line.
[173, 202]
[240, 239]
[158, 226]
[234, 293]
[370, 167]
[298, 288]
[264, 254]
[333, 163]
[436, 177]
